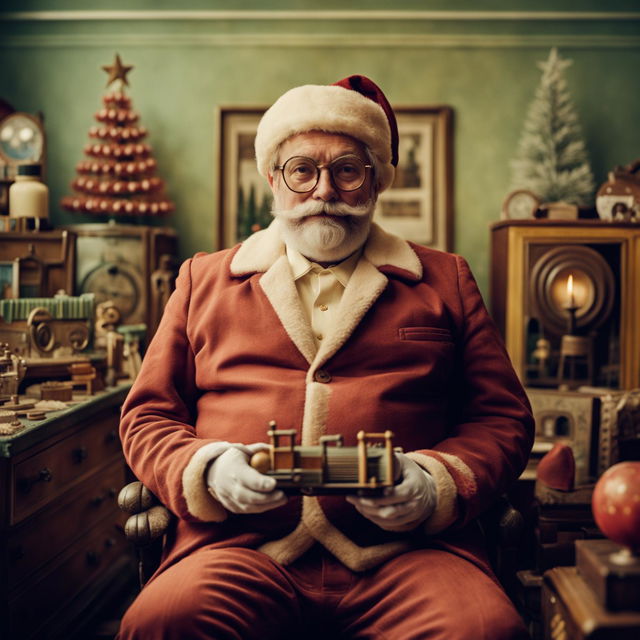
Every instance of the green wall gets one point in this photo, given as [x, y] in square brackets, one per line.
[479, 58]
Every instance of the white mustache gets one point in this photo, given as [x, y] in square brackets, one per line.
[315, 208]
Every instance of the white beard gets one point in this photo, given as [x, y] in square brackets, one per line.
[325, 239]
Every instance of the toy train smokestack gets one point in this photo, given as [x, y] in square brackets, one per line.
[328, 467]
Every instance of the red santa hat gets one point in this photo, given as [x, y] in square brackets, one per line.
[354, 106]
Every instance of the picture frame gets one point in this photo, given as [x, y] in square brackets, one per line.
[417, 207]
[244, 196]
[419, 204]
[9, 279]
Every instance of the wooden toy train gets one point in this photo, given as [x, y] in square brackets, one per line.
[328, 467]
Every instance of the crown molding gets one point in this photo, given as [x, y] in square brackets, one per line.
[373, 15]
[400, 40]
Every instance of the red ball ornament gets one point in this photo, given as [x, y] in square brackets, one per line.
[616, 504]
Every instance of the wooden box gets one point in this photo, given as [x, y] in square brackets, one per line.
[44, 260]
[570, 611]
[617, 587]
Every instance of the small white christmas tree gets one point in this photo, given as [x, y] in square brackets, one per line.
[552, 160]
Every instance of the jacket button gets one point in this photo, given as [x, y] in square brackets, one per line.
[322, 376]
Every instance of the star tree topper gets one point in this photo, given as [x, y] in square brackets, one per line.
[117, 71]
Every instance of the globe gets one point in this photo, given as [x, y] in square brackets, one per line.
[616, 504]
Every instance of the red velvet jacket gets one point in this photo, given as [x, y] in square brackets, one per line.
[415, 352]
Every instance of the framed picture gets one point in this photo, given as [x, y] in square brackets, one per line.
[419, 204]
[417, 207]
[244, 195]
[9, 279]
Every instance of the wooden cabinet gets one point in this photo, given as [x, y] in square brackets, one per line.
[36, 263]
[62, 546]
[125, 264]
[570, 611]
[536, 307]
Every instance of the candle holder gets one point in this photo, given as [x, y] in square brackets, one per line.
[572, 309]
[575, 351]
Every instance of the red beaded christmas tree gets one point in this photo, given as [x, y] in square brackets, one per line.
[117, 177]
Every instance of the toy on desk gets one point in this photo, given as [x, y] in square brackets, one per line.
[61, 390]
[12, 372]
[328, 467]
[84, 375]
[47, 327]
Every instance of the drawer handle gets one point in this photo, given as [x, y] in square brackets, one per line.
[80, 454]
[25, 484]
[98, 500]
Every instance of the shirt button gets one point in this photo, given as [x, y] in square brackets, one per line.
[321, 375]
[323, 307]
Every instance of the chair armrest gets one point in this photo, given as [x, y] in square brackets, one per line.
[502, 523]
[503, 527]
[149, 519]
[145, 527]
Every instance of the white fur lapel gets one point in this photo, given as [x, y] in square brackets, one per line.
[258, 252]
[280, 288]
[383, 249]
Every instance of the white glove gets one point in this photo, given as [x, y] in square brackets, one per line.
[404, 506]
[238, 486]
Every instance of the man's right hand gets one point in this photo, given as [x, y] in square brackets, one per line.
[239, 487]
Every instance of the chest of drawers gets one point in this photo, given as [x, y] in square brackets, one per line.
[61, 542]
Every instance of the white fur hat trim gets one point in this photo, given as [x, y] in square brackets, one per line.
[328, 108]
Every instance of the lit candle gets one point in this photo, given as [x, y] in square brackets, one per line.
[570, 294]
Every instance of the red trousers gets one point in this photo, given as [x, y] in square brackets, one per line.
[239, 593]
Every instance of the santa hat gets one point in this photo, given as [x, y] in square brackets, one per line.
[354, 106]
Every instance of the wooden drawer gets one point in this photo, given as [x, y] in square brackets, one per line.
[50, 472]
[52, 530]
[81, 572]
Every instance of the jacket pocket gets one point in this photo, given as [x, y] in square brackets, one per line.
[434, 334]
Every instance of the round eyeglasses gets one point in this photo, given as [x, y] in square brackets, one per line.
[302, 174]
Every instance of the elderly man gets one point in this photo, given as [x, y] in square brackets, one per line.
[326, 324]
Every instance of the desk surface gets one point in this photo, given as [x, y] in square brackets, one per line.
[36, 431]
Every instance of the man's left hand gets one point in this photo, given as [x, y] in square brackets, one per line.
[404, 506]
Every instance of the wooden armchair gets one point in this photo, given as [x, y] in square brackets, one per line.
[503, 527]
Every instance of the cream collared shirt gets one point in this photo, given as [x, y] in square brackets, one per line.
[320, 289]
